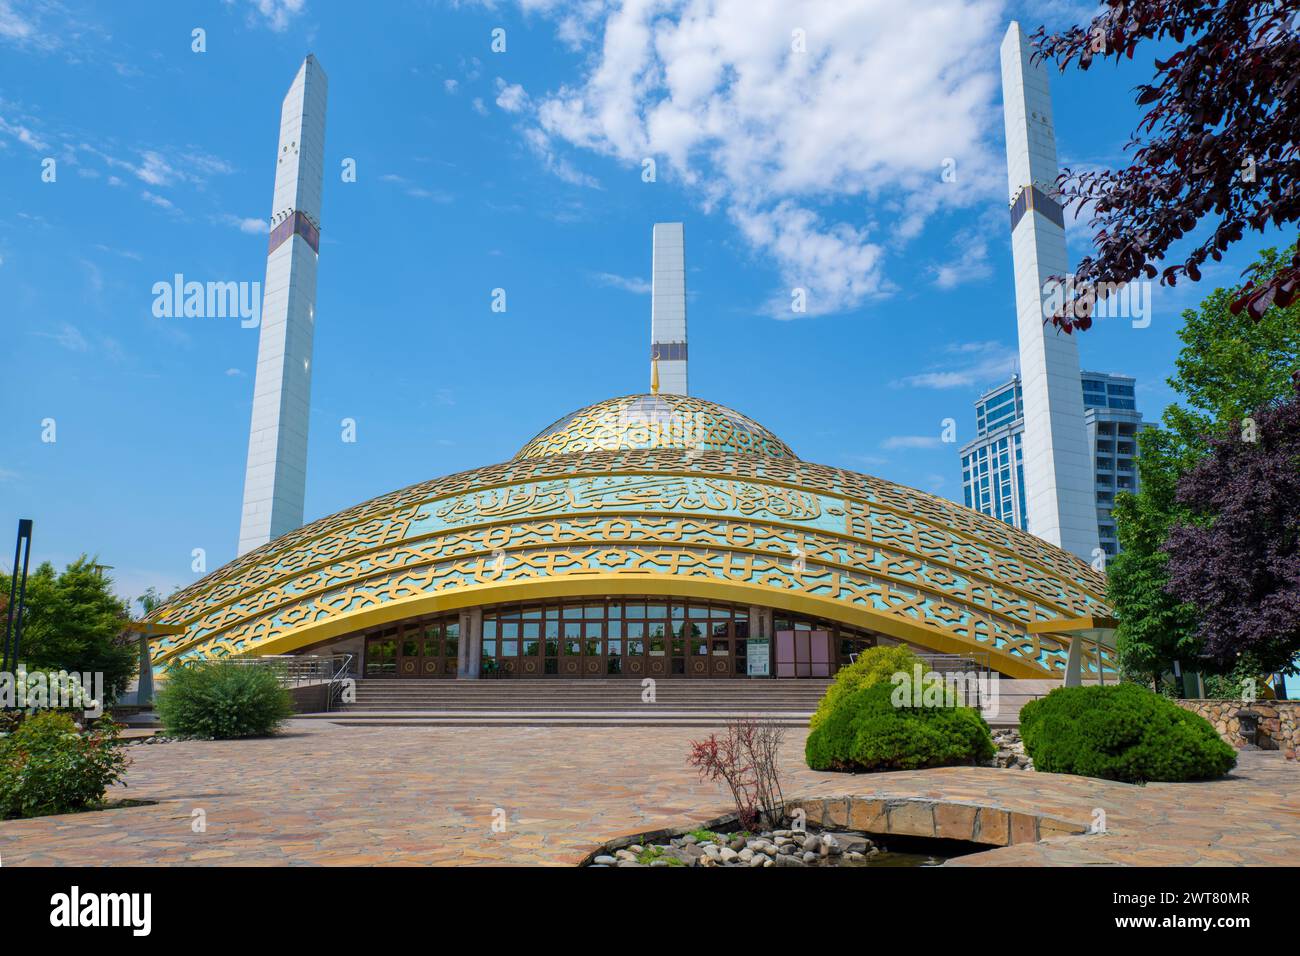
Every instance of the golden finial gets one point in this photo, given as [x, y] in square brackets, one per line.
[654, 373]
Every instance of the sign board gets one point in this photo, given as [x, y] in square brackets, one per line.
[757, 657]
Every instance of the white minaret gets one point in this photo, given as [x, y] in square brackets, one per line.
[668, 307]
[276, 479]
[1058, 467]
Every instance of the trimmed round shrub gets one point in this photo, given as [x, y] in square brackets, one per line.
[220, 700]
[1124, 732]
[48, 766]
[876, 665]
[865, 731]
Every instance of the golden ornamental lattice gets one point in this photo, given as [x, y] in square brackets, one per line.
[779, 525]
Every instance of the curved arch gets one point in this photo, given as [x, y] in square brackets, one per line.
[587, 585]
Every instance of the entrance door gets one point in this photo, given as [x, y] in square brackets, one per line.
[381, 654]
[410, 652]
[570, 648]
[721, 650]
[634, 647]
[803, 654]
[699, 663]
[657, 647]
[421, 649]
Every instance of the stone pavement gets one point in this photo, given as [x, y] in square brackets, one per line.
[322, 794]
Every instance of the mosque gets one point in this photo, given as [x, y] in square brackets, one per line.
[649, 535]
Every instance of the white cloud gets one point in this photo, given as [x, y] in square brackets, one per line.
[416, 191]
[967, 365]
[249, 224]
[69, 337]
[479, 107]
[970, 254]
[159, 168]
[835, 265]
[450, 85]
[24, 134]
[910, 441]
[276, 14]
[633, 284]
[784, 142]
[154, 170]
[511, 96]
[13, 25]
[160, 201]
[234, 373]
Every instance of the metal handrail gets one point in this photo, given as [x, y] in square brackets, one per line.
[942, 664]
[337, 679]
[291, 669]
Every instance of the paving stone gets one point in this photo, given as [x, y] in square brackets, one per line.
[321, 794]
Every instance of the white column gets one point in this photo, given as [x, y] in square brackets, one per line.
[1058, 466]
[668, 307]
[276, 477]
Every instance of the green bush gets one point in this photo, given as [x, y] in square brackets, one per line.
[47, 766]
[1123, 732]
[220, 700]
[865, 731]
[873, 666]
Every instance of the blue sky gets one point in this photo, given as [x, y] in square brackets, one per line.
[519, 170]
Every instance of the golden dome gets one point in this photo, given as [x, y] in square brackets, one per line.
[656, 421]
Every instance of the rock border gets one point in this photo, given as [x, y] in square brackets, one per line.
[944, 819]
[885, 816]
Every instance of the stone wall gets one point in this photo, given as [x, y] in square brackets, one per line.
[1279, 721]
[913, 816]
[308, 698]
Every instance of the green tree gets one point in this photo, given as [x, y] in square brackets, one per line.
[1155, 628]
[1229, 365]
[74, 622]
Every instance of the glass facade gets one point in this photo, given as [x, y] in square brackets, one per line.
[992, 465]
[595, 637]
[993, 472]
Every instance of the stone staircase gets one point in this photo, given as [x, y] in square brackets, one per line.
[575, 703]
[614, 702]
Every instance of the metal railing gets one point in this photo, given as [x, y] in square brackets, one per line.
[975, 663]
[950, 663]
[340, 677]
[298, 670]
[295, 670]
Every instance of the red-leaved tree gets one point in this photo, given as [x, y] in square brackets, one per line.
[746, 759]
[1238, 559]
[1217, 142]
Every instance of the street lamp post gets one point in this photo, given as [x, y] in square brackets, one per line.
[18, 587]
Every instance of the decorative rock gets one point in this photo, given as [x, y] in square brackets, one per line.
[604, 860]
[788, 859]
[746, 854]
[728, 855]
[810, 857]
